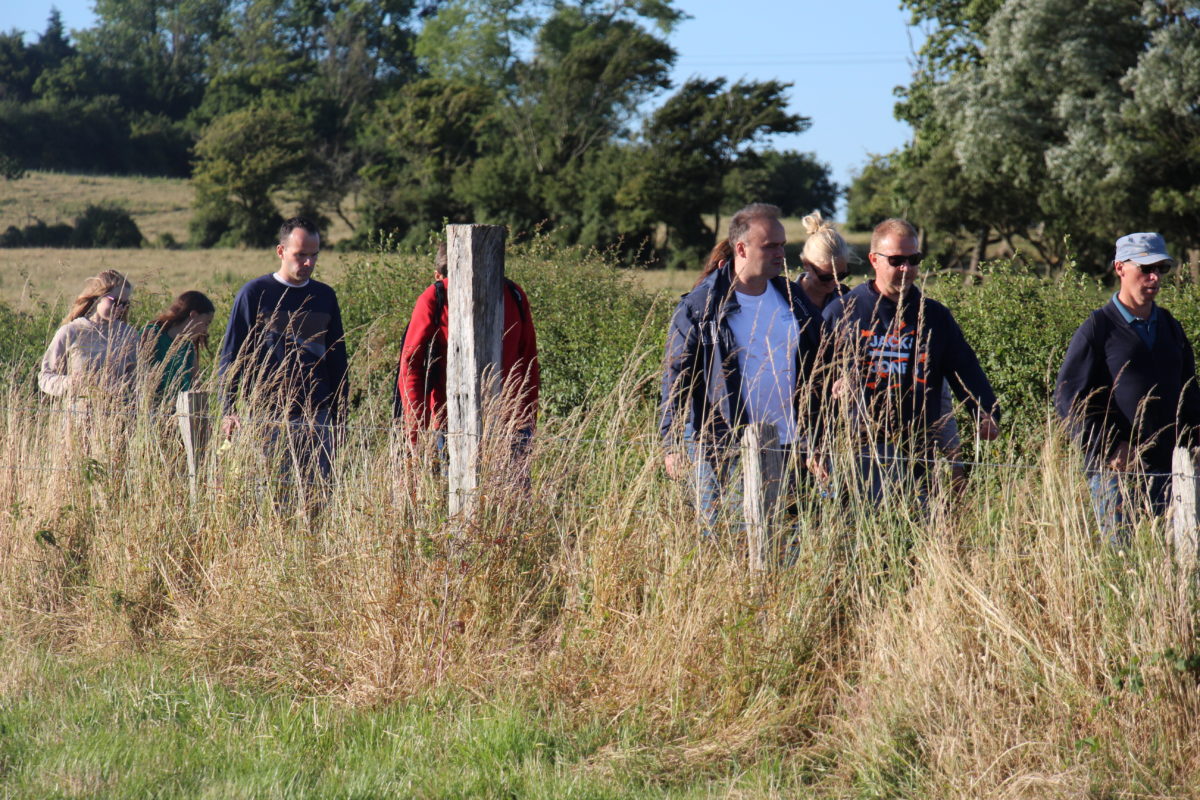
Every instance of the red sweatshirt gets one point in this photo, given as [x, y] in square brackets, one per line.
[422, 374]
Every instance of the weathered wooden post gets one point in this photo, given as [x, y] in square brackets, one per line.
[476, 310]
[762, 470]
[191, 409]
[1183, 509]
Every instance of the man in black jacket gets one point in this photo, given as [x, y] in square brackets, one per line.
[1127, 388]
[892, 350]
[739, 350]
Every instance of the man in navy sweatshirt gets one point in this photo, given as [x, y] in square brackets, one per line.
[891, 349]
[284, 355]
[1127, 388]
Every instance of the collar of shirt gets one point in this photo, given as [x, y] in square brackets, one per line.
[1145, 327]
[282, 282]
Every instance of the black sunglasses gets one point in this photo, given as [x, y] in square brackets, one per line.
[826, 277]
[118, 302]
[913, 259]
[1157, 268]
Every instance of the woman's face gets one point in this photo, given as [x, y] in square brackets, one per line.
[114, 305]
[827, 277]
[197, 324]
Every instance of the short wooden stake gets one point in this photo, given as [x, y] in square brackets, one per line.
[762, 470]
[1184, 508]
[476, 311]
[191, 408]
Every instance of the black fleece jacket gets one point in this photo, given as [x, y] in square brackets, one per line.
[1112, 388]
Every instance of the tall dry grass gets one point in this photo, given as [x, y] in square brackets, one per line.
[985, 646]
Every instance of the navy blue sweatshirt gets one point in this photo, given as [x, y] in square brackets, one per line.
[901, 362]
[288, 339]
[1112, 388]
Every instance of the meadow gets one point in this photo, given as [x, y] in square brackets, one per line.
[577, 639]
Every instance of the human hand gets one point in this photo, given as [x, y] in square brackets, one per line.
[818, 466]
[988, 429]
[229, 424]
[1120, 458]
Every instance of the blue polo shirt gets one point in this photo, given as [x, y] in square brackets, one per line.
[1147, 329]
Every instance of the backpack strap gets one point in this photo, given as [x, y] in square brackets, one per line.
[518, 297]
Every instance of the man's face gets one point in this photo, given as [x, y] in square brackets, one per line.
[1138, 286]
[298, 255]
[890, 280]
[760, 254]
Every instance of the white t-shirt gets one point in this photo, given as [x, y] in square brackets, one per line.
[767, 338]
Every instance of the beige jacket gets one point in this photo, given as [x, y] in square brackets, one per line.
[86, 357]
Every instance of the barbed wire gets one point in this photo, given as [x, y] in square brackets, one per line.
[396, 427]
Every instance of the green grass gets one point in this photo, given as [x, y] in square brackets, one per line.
[139, 727]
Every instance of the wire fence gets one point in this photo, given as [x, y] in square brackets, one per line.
[648, 441]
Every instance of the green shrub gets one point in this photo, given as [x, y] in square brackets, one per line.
[39, 234]
[1019, 325]
[590, 318]
[105, 226]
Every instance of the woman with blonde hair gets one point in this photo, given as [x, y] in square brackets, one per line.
[825, 257]
[173, 340]
[94, 353]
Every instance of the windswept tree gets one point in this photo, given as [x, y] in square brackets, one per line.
[696, 139]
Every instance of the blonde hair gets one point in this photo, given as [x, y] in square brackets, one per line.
[94, 288]
[824, 245]
[893, 226]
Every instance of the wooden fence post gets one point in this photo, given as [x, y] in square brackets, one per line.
[1184, 508]
[191, 408]
[476, 310]
[762, 470]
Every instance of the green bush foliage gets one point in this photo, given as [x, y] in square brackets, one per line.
[105, 226]
[101, 225]
[591, 318]
[1019, 324]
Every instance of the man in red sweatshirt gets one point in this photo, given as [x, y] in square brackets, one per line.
[421, 378]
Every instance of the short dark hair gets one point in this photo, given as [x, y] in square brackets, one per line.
[739, 223]
[289, 225]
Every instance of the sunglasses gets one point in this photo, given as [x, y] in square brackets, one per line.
[118, 302]
[826, 277]
[913, 259]
[1158, 268]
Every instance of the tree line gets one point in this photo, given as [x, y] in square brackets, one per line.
[1051, 126]
[398, 116]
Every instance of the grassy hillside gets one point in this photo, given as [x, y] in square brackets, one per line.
[55, 275]
[159, 206]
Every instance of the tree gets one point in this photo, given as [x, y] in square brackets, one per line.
[422, 142]
[556, 89]
[1052, 121]
[694, 141]
[796, 182]
[243, 158]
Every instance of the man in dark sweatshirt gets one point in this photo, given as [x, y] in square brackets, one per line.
[284, 355]
[891, 349]
[1127, 389]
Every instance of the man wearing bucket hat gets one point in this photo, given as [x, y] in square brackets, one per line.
[1127, 389]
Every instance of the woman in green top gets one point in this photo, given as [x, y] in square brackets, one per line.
[172, 340]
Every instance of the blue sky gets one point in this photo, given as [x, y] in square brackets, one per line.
[843, 58]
